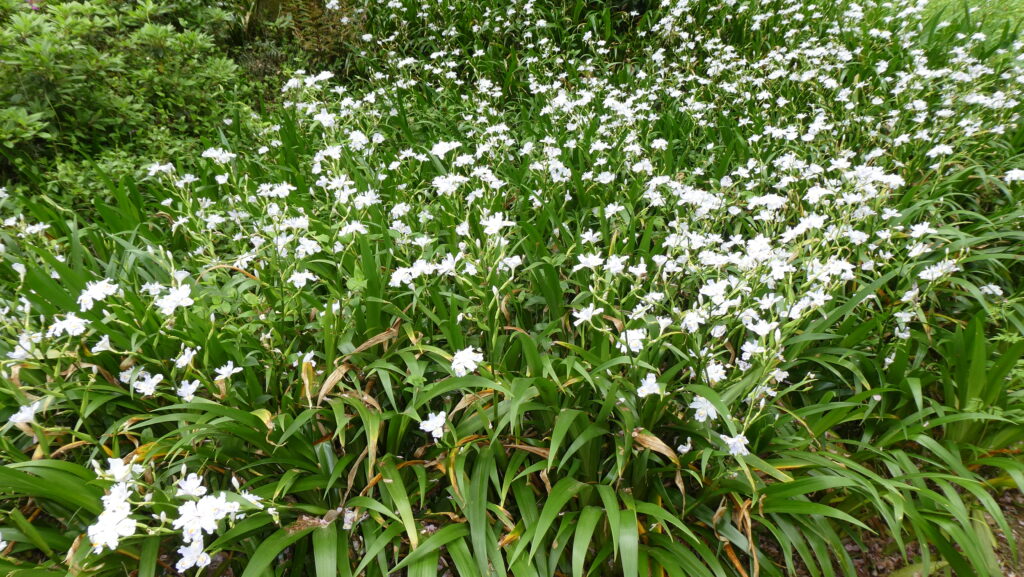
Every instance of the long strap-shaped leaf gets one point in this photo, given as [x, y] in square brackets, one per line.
[270, 549]
[53, 487]
[560, 494]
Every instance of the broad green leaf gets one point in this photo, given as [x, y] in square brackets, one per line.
[325, 551]
[442, 537]
[269, 549]
[586, 525]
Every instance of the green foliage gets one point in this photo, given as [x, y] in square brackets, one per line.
[516, 303]
[80, 78]
[326, 35]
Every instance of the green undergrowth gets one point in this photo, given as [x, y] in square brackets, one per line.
[541, 288]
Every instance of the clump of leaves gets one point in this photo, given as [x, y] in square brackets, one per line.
[81, 78]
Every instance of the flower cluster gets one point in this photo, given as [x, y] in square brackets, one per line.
[198, 514]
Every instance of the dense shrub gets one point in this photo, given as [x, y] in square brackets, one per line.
[79, 78]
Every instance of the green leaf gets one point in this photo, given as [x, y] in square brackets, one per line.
[442, 537]
[476, 508]
[629, 542]
[29, 531]
[581, 542]
[563, 422]
[796, 507]
[148, 554]
[395, 488]
[804, 486]
[269, 549]
[51, 486]
[325, 551]
[561, 493]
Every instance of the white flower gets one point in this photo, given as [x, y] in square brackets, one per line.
[253, 500]
[300, 278]
[191, 486]
[761, 394]
[693, 320]
[449, 183]
[494, 223]
[157, 168]
[762, 328]
[187, 390]
[225, 372]
[1014, 175]
[737, 445]
[118, 470]
[703, 409]
[442, 148]
[70, 325]
[176, 297]
[129, 375]
[592, 260]
[219, 155]
[357, 140]
[684, 449]
[327, 119]
[921, 229]
[632, 340]
[186, 356]
[466, 361]
[145, 384]
[434, 424]
[96, 291]
[112, 525]
[192, 555]
[648, 386]
[26, 413]
[715, 372]
[511, 263]
[613, 209]
[939, 151]
[193, 519]
[307, 247]
[991, 290]
[185, 180]
[911, 295]
[939, 269]
[353, 228]
[585, 314]
[103, 345]
[26, 346]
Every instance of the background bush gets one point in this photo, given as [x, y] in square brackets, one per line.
[109, 83]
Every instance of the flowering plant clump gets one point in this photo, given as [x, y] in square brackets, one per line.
[453, 317]
[197, 515]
